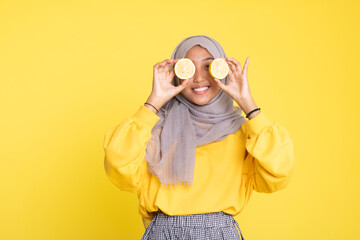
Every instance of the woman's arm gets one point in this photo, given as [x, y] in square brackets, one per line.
[270, 159]
[125, 146]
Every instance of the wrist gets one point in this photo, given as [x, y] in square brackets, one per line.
[254, 114]
[155, 101]
[247, 105]
[151, 108]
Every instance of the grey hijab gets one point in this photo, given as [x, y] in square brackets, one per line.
[184, 125]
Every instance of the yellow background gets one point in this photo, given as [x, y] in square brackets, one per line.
[70, 70]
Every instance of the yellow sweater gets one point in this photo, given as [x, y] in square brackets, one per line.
[259, 156]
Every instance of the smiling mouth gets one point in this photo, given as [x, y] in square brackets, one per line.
[201, 90]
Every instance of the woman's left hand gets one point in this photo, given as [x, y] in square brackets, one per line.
[238, 86]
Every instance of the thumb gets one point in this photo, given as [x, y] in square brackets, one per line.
[180, 87]
[219, 83]
[184, 84]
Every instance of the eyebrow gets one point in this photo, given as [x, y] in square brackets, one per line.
[207, 58]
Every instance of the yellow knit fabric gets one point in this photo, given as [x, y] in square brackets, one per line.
[259, 156]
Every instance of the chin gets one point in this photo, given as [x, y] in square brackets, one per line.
[200, 103]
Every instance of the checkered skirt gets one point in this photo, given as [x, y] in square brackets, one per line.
[212, 226]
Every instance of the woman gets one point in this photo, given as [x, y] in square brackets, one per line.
[153, 153]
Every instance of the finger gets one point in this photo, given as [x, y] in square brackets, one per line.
[165, 61]
[231, 75]
[232, 66]
[246, 65]
[229, 62]
[169, 64]
[183, 84]
[162, 64]
[219, 83]
[171, 75]
[236, 63]
[157, 67]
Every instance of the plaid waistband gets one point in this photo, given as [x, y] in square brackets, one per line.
[207, 220]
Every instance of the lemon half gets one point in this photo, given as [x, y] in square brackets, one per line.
[184, 68]
[219, 68]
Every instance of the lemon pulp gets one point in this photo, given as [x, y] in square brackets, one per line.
[184, 68]
[219, 68]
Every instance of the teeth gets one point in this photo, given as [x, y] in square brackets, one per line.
[200, 89]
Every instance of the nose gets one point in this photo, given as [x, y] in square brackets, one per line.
[199, 76]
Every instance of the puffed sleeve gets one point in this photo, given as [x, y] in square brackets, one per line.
[125, 146]
[269, 154]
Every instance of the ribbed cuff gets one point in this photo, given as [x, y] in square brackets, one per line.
[254, 126]
[146, 116]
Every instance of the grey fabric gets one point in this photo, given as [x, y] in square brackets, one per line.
[212, 226]
[184, 125]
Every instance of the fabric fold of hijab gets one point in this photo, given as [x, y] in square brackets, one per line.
[183, 125]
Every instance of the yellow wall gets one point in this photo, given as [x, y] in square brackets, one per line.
[70, 70]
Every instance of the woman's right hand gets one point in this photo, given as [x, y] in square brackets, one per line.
[162, 89]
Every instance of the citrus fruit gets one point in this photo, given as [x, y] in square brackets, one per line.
[184, 68]
[219, 68]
